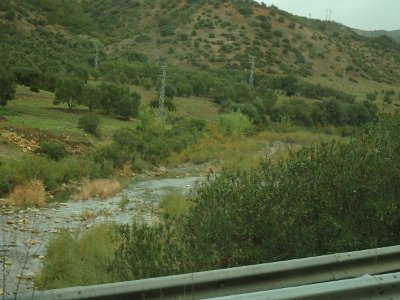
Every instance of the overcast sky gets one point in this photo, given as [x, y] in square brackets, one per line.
[360, 14]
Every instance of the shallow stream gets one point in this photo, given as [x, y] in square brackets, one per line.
[25, 233]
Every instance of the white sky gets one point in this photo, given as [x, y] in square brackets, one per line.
[360, 14]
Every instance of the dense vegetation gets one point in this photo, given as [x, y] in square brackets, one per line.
[322, 199]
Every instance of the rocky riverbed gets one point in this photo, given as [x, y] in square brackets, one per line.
[25, 233]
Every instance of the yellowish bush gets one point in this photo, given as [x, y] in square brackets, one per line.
[236, 152]
[125, 171]
[100, 188]
[31, 193]
[174, 206]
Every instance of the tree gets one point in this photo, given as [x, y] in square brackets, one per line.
[242, 93]
[27, 75]
[90, 96]
[289, 85]
[128, 105]
[110, 95]
[184, 88]
[7, 87]
[68, 90]
[170, 91]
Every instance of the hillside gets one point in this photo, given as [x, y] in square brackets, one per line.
[394, 34]
[198, 34]
[210, 34]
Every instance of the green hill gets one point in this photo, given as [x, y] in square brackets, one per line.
[394, 34]
[196, 35]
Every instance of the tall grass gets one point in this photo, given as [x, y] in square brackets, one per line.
[31, 193]
[99, 188]
[234, 152]
[51, 173]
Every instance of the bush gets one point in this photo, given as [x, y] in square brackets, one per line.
[234, 123]
[54, 150]
[99, 188]
[31, 193]
[50, 172]
[174, 206]
[90, 123]
[78, 259]
[146, 251]
[7, 87]
[324, 199]
[34, 89]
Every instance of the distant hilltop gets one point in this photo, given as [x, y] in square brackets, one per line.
[394, 34]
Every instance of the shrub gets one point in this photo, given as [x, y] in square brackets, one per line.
[146, 251]
[54, 150]
[31, 193]
[90, 123]
[324, 199]
[51, 173]
[371, 96]
[234, 123]
[78, 259]
[99, 188]
[34, 89]
[174, 206]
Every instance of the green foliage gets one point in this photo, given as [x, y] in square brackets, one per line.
[128, 105]
[117, 99]
[234, 123]
[145, 251]
[78, 259]
[317, 91]
[168, 104]
[334, 197]
[51, 173]
[7, 87]
[68, 90]
[123, 202]
[54, 150]
[148, 142]
[325, 112]
[371, 96]
[324, 199]
[174, 206]
[90, 123]
[111, 94]
[27, 75]
[90, 97]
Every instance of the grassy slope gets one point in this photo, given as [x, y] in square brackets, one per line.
[34, 112]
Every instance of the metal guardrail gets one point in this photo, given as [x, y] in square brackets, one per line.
[241, 280]
[367, 287]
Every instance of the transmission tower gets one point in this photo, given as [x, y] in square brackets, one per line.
[96, 59]
[328, 14]
[162, 90]
[251, 78]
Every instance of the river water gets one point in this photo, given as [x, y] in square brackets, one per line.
[25, 233]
